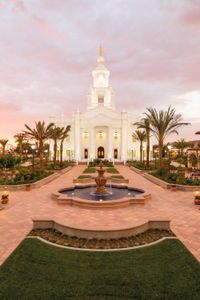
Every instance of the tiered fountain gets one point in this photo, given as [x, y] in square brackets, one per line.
[100, 194]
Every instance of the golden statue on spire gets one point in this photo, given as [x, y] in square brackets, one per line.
[100, 51]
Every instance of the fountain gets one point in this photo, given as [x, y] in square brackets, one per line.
[101, 194]
[101, 182]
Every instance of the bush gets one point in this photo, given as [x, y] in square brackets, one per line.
[84, 176]
[8, 161]
[117, 176]
[96, 162]
[26, 176]
[140, 165]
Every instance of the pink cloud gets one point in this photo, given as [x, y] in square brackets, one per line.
[49, 48]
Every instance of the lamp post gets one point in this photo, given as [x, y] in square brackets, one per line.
[155, 155]
[33, 147]
[69, 154]
[46, 155]
[169, 153]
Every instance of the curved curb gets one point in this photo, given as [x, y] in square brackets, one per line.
[126, 201]
[102, 250]
[101, 233]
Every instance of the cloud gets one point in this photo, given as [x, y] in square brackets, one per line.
[49, 49]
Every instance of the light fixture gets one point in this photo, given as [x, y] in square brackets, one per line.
[85, 134]
[169, 147]
[100, 134]
[33, 147]
[115, 135]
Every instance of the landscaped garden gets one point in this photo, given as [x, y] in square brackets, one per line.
[30, 161]
[40, 271]
[174, 167]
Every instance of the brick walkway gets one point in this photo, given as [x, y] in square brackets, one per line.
[16, 218]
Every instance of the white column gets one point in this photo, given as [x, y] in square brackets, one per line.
[77, 136]
[92, 144]
[124, 137]
[110, 143]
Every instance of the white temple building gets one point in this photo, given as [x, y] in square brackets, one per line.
[101, 131]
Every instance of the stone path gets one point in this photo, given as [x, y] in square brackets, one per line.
[16, 218]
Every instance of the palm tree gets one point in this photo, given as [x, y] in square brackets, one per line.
[3, 143]
[63, 137]
[181, 145]
[40, 133]
[140, 136]
[163, 123]
[20, 139]
[55, 134]
[144, 124]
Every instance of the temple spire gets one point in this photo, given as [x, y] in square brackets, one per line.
[100, 51]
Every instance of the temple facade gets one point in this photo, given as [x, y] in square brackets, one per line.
[101, 131]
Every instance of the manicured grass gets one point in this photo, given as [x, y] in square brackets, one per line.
[112, 170]
[84, 176]
[117, 176]
[166, 271]
[90, 170]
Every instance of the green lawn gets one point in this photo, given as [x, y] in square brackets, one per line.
[90, 170]
[112, 170]
[40, 271]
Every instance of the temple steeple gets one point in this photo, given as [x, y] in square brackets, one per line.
[100, 51]
[101, 93]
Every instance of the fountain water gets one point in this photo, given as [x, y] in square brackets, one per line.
[102, 191]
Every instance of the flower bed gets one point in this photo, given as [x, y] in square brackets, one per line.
[146, 237]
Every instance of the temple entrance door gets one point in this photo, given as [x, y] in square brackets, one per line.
[100, 152]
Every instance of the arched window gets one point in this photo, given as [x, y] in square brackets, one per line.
[100, 99]
[85, 153]
[115, 153]
[100, 152]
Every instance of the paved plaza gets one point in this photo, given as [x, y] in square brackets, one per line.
[16, 218]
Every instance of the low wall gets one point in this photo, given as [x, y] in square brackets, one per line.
[36, 184]
[166, 185]
[136, 170]
[101, 234]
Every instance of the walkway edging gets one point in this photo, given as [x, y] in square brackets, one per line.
[102, 250]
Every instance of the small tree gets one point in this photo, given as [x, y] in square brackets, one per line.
[145, 124]
[164, 123]
[193, 159]
[140, 136]
[3, 143]
[181, 145]
[40, 133]
[20, 139]
[63, 137]
[55, 134]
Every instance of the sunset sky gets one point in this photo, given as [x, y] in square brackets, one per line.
[48, 49]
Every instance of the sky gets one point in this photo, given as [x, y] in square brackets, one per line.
[48, 49]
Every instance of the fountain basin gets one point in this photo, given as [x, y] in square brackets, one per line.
[117, 195]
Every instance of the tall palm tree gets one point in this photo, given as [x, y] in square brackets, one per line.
[163, 123]
[144, 124]
[3, 143]
[63, 137]
[56, 134]
[20, 139]
[40, 133]
[141, 136]
[181, 145]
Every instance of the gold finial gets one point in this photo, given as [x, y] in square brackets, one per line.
[100, 51]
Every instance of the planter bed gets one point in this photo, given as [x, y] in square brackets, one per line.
[36, 184]
[167, 185]
[145, 238]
